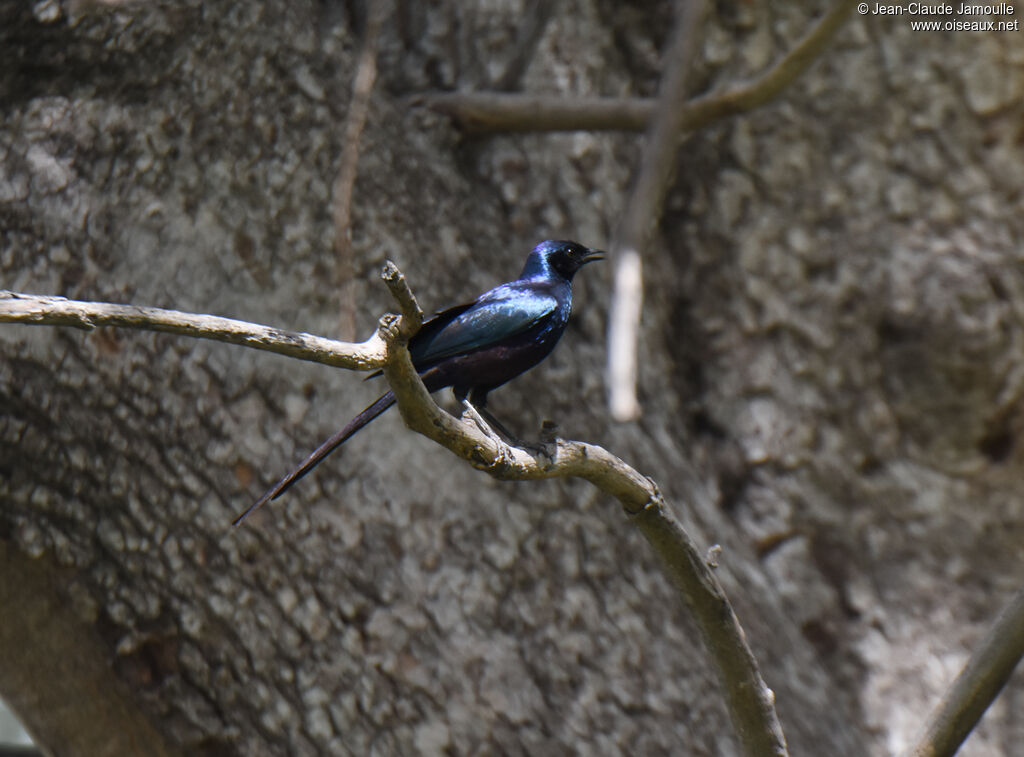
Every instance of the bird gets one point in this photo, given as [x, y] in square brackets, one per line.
[478, 346]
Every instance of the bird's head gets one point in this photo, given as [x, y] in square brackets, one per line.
[560, 256]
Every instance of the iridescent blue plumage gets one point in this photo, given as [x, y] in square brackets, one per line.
[477, 347]
[517, 308]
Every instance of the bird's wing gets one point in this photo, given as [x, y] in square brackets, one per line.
[439, 320]
[430, 328]
[496, 316]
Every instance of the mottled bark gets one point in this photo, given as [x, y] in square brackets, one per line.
[831, 349]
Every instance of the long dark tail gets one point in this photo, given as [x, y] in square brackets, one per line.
[382, 403]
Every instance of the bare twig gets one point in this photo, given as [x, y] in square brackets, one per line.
[978, 684]
[643, 209]
[58, 311]
[412, 314]
[489, 112]
[498, 112]
[344, 185]
[750, 701]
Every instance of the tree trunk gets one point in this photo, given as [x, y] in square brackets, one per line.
[831, 382]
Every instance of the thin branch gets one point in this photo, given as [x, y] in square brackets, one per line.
[751, 702]
[412, 314]
[344, 185]
[497, 112]
[977, 686]
[16, 307]
[643, 209]
[754, 94]
[490, 112]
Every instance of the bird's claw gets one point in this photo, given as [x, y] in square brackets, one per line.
[473, 414]
[548, 444]
[542, 449]
[504, 458]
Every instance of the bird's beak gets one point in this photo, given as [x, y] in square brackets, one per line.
[593, 255]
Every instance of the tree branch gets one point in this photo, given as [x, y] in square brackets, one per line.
[642, 212]
[977, 686]
[750, 701]
[16, 307]
[491, 112]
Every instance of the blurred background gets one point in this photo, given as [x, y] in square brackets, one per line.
[830, 376]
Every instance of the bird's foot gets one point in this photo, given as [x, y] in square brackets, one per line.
[474, 415]
[493, 428]
[548, 443]
[490, 425]
[504, 457]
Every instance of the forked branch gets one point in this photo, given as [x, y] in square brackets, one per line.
[494, 112]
